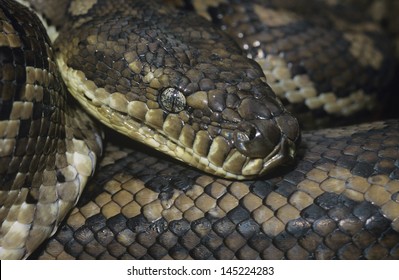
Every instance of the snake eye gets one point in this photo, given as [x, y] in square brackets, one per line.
[173, 100]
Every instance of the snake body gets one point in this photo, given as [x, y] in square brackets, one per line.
[48, 150]
[147, 70]
[339, 202]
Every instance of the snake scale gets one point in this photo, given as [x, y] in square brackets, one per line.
[245, 183]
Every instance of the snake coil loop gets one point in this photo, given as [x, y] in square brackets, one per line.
[213, 89]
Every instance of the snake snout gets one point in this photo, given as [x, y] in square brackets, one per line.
[257, 139]
[265, 123]
[267, 136]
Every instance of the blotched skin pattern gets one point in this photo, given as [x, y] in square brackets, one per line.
[320, 60]
[340, 201]
[331, 205]
[47, 149]
[382, 12]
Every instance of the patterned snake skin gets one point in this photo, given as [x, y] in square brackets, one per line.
[48, 149]
[335, 197]
[339, 202]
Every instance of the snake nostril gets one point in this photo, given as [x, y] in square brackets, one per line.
[252, 133]
[246, 132]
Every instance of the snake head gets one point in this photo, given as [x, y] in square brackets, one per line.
[235, 128]
[181, 86]
[232, 132]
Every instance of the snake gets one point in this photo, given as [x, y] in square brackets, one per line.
[214, 101]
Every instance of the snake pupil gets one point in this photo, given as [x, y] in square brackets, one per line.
[172, 100]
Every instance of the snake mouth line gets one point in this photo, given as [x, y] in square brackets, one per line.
[144, 126]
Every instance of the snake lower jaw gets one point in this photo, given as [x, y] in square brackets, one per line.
[284, 154]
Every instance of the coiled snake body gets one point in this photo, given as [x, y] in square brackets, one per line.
[172, 80]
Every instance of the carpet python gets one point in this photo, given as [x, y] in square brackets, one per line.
[217, 90]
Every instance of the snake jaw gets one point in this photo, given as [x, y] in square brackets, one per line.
[284, 153]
